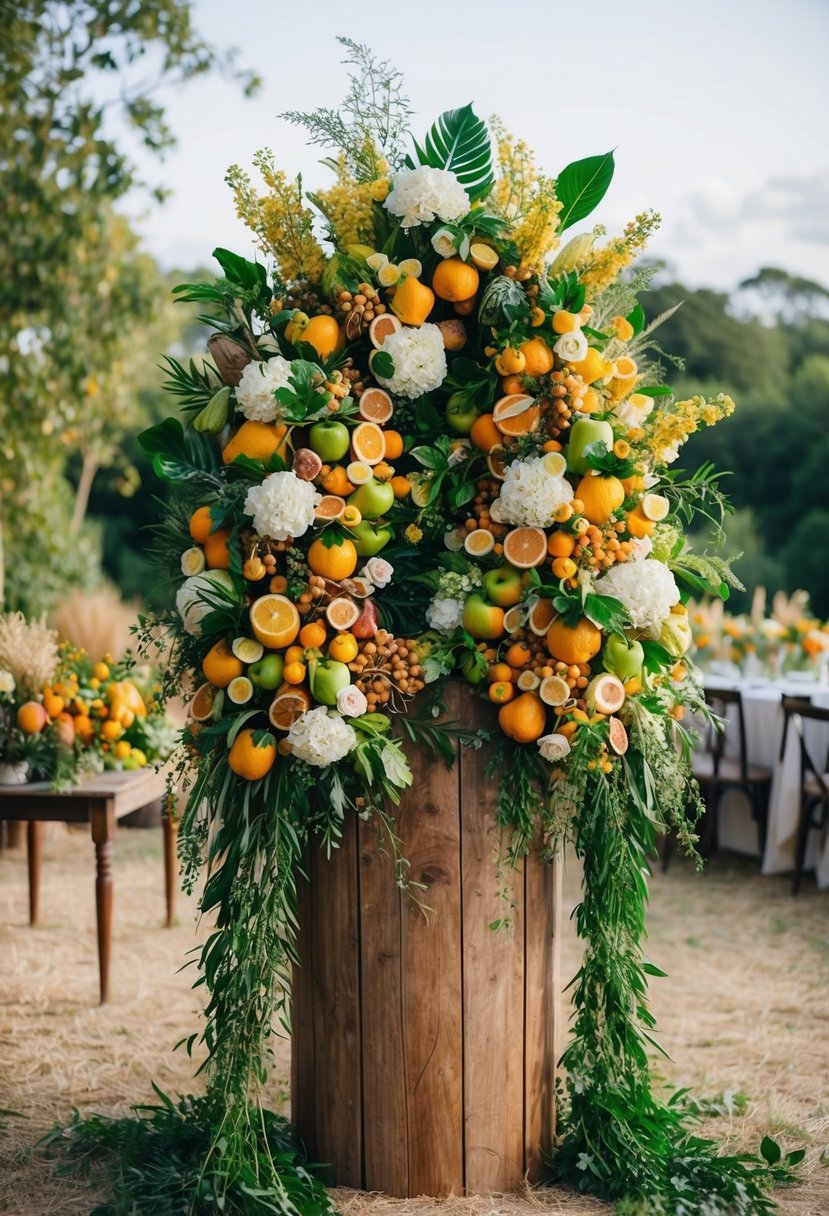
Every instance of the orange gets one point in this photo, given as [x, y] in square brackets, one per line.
[519, 654]
[288, 706]
[294, 673]
[101, 671]
[601, 496]
[561, 544]
[394, 445]
[381, 327]
[516, 414]
[220, 665]
[201, 525]
[383, 472]
[274, 620]
[249, 759]
[122, 714]
[111, 730]
[336, 482]
[342, 612]
[455, 280]
[577, 643]
[501, 691]
[331, 506]
[525, 547]
[402, 487]
[538, 357]
[323, 333]
[257, 441]
[510, 362]
[499, 672]
[485, 434]
[633, 483]
[52, 704]
[312, 634]
[83, 728]
[336, 562]
[413, 301]
[31, 718]
[294, 654]
[565, 322]
[201, 707]
[511, 384]
[464, 307]
[344, 648]
[368, 443]
[638, 524]
[564, 567]
[376, 405]
[523, 719]
[216, 551]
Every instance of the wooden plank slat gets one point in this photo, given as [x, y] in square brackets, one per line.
[336, 999]
[541, 998]
[385, 1107]
[303, 1053]
[432, 979]
[493, 988]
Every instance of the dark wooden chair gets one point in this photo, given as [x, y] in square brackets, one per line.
[814, 779]
[719, 774]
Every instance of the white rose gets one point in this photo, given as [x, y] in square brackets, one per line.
[351, 703]
[572, 347]
[378, 571]
[6, 681]
[283, 506]
[444, 614]
[443, 243]
[554, 747]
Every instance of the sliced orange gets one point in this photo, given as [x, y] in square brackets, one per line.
[516, 414]
[381, 327]
[368, 443]
[525, 547]
[342, 612]
[554, 690]
[541, 616]
[495, 463]
[376, 406]
[288, 706]
[485, 434]
[479, 542]
[330, 507]
[514, 618]
[274, 620]
[201, 707]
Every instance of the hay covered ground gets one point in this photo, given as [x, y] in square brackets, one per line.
[745, 1011]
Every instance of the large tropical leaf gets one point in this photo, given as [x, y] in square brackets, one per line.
[460, 141]
[581, 186]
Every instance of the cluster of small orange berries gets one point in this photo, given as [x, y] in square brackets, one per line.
[385, 665]
[567, 396]
[356, 381]
[310, 597]
[599, 547]
[358, 309]
[300, 294]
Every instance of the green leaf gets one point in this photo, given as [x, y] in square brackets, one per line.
[654, 390]
[652, 969]
[636, 317]
[606, 611]
[656, 656]
[770, 1150]
[382, 364]
[249, 275]
[581, 186]
[430, 458]
[459, 141]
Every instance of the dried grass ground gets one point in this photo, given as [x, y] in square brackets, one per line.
[746, 1009]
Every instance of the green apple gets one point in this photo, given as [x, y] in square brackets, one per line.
[267, 673]
[473, 672]
[326, 677]
[484, 621]
[460, 415]
[372, 498]
[369, 539]
[329, 439]
[583, 432]
[503, 585]
[623, 657]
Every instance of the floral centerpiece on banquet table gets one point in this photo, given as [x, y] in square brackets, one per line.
[432, 438]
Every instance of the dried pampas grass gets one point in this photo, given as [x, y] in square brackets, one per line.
[29, 650]
[99, 621]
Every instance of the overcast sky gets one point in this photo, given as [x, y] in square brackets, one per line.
[717, 109]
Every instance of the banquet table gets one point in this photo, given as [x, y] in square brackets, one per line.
[763, 718]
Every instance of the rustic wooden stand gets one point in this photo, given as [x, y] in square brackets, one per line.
[424, 1048]
[100, 802]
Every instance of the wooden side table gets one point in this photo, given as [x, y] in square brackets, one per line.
[100, 802]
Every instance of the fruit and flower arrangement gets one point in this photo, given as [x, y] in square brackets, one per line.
[65, 716]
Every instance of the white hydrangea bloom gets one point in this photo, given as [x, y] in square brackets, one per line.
[6, 681]
[282, 506]
[530, 494]
[444, 614]
[321, 738]
[419, 359]
[647, 589]
[422, 195]
[255, 391]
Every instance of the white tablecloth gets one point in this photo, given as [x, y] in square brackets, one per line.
[763, 717]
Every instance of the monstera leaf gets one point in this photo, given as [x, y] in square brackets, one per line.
[460, 141]
[581, 186]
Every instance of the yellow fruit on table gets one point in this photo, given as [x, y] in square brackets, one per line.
[313, 634]
[274, 620]
[200, 524]
[126, 691]
[601, 496]
[257, 441]
[574, 644]
[455, 280]
[335, 562]
[538, 357]
[111, 730]
[52, 704]
[31, 718]
[249, 759]
[561, 544]
[121, 750]
[593, 366]
[402, 487]
[483, 256]
[413, 301]
[523, 719]
[220, 665]
[510, 362]
[344, 648]
[324, 334]
[101, 671]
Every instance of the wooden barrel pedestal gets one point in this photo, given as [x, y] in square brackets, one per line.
[424, 1046]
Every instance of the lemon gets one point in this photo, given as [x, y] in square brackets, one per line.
[240, 690]
[483, 256]
[410, 266]
[192, 561]
[479, 542]
[388, 275]
[358, 472]
[555, 464]
[377, 261]
[655, 507]
[248, 650]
